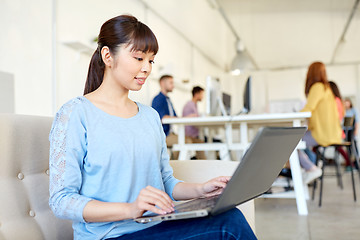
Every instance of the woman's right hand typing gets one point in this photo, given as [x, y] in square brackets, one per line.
[151, 199]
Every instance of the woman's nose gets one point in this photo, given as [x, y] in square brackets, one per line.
[146, 67]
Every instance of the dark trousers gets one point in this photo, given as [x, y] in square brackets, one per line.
[228, 225]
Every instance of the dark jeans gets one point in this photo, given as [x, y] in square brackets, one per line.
[229, 225]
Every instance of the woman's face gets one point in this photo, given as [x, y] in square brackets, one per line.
[131, 68]
[347, 104]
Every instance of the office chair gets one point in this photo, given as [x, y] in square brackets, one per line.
[320, 155]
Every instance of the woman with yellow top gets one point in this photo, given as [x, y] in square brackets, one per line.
[324, 125]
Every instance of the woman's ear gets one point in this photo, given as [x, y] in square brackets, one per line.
[106, 56]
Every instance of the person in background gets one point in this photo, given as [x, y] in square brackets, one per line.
[341, 111]
[190, 110]
[351, 111]
[338, 99]
[163, 105]
[324, 126]
[108, 157]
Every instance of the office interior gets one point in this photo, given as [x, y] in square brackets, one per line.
[46, 46]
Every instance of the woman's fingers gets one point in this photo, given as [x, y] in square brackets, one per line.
[162, 198]
[147, 205]
[155, 200]
[161, 193]
[224, 179]
[215, 186]
[214, 193]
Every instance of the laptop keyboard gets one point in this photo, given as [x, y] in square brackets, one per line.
[197, 204]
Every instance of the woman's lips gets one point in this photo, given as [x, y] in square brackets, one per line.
[140, 81]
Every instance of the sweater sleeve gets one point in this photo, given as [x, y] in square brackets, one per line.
[67, 152]
[316, 93]
[166, 170]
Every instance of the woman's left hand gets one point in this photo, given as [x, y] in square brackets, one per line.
[214, 186]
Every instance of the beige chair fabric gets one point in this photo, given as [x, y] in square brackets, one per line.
[203, 170]
[24, 180]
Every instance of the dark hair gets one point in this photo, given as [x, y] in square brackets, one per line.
[316, 73]
[163, 77]
[335, 89]
[123, 29]
[196, 89]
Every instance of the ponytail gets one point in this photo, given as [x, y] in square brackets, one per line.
[95, 73]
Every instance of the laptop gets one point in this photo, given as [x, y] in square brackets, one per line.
[258, 169]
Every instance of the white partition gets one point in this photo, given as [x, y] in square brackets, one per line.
[7, 102]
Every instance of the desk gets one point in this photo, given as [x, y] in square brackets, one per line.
[244, 122]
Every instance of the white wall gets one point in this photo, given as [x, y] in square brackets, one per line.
[177, 53]
[7, 98]
[25, 47]
[194, 43]
[289, 84]
[27, 43]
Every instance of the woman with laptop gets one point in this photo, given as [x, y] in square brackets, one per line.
[108, 156]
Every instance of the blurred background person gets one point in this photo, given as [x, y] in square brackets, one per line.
[341, 111]
[338, 99]
[190, 110]
[351, 111]
[323, 126]
[163, 105]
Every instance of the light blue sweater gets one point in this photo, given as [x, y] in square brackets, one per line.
[94, 155]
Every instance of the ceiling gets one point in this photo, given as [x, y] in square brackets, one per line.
[281, 34]
[278, 34]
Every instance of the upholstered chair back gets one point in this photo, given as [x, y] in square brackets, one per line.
[24, 180]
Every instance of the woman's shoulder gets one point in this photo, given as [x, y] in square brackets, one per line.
[318, 85]
[72, 111]
[147, 109]
[74, 104]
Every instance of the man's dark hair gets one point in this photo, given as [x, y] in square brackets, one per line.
[196, 89]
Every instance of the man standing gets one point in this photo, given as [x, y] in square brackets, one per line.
[190, 110]
[162, 104]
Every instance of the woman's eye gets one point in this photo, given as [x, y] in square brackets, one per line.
[139, 59]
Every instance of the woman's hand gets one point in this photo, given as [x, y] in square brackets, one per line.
[151, 199]
[214, 186]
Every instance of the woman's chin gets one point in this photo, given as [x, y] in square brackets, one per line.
[136, 88]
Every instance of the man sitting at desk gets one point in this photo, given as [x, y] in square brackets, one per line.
[162, 104]
[190, 110]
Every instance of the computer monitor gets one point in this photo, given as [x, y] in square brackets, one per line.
[247, 96]
[214, 101]
[212, 93]
[226, 98]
